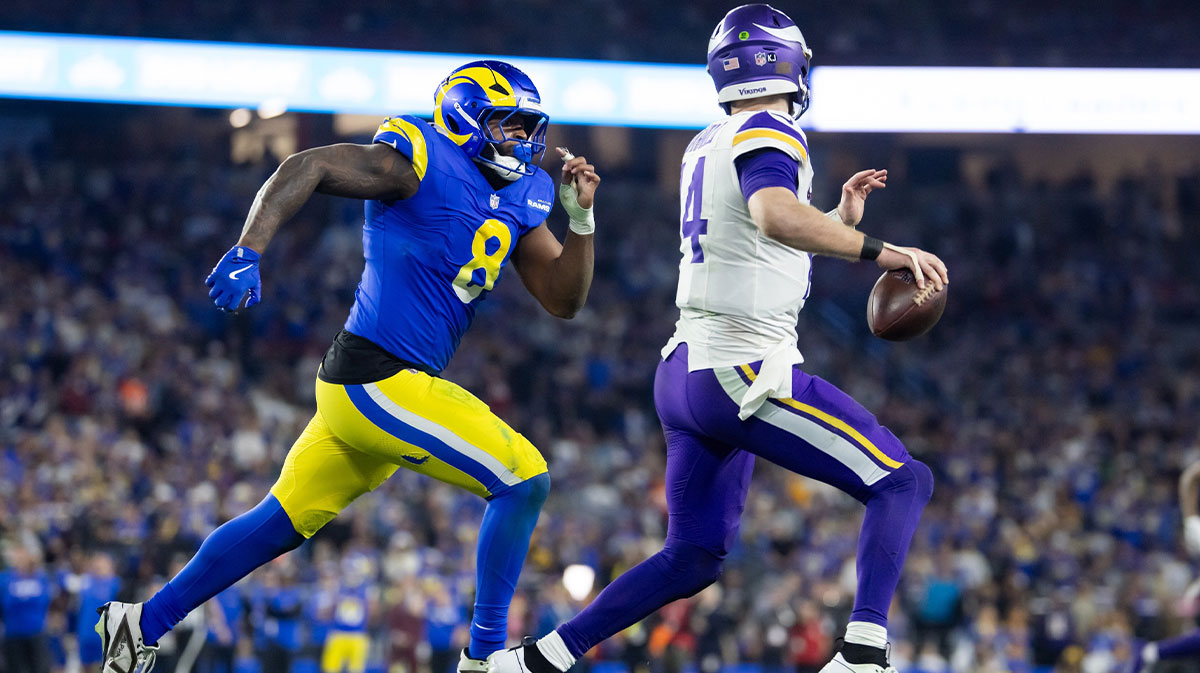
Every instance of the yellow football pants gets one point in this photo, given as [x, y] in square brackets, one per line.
[345, 651]
[362, 433]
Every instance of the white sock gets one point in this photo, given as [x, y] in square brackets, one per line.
[555, 650]
[866, 633]
[1150, 653]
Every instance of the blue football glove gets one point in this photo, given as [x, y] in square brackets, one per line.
[234, 276]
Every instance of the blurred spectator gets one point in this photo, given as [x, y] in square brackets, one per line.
[179, 650]
[938, 607]
[810, 640]
[1053, 630]
[25, 595]
[279, 605]
[92, 590]
[225, 629]
[347, 642]
[443, 626]
[405, 627]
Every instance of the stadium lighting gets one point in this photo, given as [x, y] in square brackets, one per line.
[578, 580]
[240, 118]
[272, 107]
[846, 99]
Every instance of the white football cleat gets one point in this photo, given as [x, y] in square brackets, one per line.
[840, 665]
[120, 630]
[530, 657]
[511, 660]
[468, 665]
[524, 658]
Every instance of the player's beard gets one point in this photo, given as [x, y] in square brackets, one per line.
[508, 168]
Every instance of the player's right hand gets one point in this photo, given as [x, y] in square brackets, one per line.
[1191, 535]
[235, 277]
[922, 264]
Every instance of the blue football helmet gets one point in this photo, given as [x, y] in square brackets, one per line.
[491, 91]
[756, 50]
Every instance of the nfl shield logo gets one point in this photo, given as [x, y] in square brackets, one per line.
[760, 58]
[494, 200]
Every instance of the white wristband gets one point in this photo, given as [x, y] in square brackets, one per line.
[835, 216]
[582, 221]
[585, 228]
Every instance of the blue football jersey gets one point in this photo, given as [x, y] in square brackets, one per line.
[24, 602]
[431, 258]
[94, 592]
[350, 608]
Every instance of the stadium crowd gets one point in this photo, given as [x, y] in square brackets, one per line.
[1057, 403]
[1150, 33]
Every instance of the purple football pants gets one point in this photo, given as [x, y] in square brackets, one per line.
[820, 432]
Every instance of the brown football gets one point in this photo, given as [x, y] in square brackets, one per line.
[898, 310]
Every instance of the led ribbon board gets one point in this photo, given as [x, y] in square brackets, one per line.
[849, 99]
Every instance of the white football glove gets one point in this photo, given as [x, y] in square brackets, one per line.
[582, 221]
[1191, 535]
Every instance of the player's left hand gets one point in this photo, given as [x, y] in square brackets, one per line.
[577, 191]
[855, 191]
[235, 277]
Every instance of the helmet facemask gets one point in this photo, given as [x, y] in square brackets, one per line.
[526, 154]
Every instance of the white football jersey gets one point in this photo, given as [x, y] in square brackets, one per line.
[740, 292]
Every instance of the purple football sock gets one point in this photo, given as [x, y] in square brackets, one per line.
[678, 571]
[1187, 645]
[706, 492]
[893, 511]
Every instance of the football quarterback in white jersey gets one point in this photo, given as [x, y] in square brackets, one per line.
[728, 389]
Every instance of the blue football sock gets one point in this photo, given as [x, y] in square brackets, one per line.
[504, 536]
[230, 553]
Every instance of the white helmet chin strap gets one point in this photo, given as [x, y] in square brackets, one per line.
[504, 166]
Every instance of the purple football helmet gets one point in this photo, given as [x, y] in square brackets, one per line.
[756, 50]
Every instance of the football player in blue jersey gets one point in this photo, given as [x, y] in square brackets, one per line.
[447, 205]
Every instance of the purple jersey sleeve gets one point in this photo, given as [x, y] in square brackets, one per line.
[766, 168]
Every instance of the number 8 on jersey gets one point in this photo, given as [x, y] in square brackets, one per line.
[468, 284]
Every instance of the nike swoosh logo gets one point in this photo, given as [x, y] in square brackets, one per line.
[234, 274]
[791, 33]
[717, 39]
